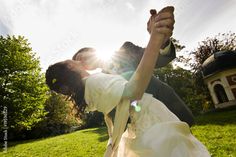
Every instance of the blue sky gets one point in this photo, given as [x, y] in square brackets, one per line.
[57, 29]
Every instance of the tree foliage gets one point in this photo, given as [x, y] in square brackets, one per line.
[221, 42]
[23, 91]
[181, 81]
[60, 111]
[60, 118]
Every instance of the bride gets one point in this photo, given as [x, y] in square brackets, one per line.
[154, 131]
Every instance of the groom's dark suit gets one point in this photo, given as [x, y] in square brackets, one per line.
[129, 57]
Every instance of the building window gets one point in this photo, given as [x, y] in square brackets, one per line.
[220, 93]
[231, 79]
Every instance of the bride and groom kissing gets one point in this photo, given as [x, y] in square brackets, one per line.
[161, 126]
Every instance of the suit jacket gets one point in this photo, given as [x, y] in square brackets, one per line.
[129, 56]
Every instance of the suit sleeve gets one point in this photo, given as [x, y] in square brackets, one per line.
[130, 55]
[163, 60]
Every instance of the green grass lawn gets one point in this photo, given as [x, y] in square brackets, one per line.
[216, 130]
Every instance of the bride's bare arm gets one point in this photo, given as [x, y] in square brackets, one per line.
[138, 83]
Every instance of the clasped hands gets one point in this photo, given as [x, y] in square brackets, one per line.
[162, 23]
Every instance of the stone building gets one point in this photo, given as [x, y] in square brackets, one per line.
[219, 73]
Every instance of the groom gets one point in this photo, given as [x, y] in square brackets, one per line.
[127, 58]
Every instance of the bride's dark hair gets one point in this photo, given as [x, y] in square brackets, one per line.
[61, 78]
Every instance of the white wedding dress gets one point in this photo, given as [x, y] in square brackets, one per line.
[153, 132]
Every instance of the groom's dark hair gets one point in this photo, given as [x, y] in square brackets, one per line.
[82, 50]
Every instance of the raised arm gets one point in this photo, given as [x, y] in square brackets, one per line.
[138, 83]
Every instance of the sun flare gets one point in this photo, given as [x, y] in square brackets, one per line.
[104, 55]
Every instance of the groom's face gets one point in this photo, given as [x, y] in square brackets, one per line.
[88, 59]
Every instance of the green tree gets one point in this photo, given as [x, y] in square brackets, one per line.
[221, 42]
[23, 90]
[61, 118]
[181, 81]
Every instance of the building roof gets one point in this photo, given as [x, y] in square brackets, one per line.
[219, 61]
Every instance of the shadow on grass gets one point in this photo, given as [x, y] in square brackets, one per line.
[14, 143]
[102, 131]
[217, 117]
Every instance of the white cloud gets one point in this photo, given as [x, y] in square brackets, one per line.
[130, 6]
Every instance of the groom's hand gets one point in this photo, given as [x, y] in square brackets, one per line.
[164, 23]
